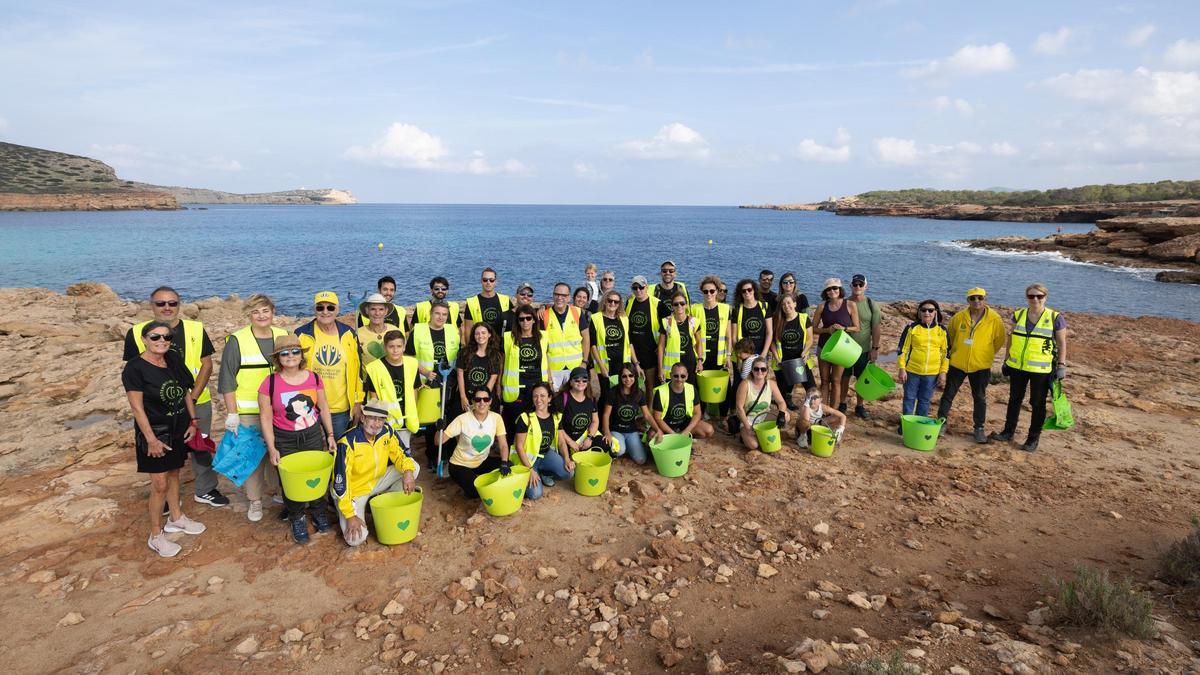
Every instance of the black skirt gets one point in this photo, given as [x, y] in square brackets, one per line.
[171, 460]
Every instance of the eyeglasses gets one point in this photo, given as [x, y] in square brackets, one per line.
[748, 290]
[788, 282]
[627, 376]
[759, 369]
[295, 351]
[578, 380]
[166, 303]
[766, 280]
[679, 376]
[709, 291]
[667, 270]
[608, 280]
[155, 337]
[561, 295]
[679, 304]
[327, 308]
[526, 294]
[612, 301]
[523, 319]
[975, 298]
[928, 310]
[489, 281]
[439, 288]
[1035, 296]
[858, 284]
[483, 399]
[723, 290]
[637, 287]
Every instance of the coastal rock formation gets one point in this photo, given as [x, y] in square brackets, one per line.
[89, 201]
[305, 197]
[1073, 213]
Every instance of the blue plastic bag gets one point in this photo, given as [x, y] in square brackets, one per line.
[239, 455]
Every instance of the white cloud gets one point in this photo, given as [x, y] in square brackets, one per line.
[944, 157]
[812, 151]
[673, 141]
[1183, 53]
[407, 146]
[1167, 94]
[1004, 149]
[1138, 36]
[1052, 43]
[961, 106]
[151, 162]
[896, 150]
[970, 61]
[585, 171]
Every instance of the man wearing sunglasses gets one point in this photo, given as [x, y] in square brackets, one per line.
[333, 353]
[567, 339]
[770, 300]
[644, 312]
[192, 344]
[869, 336]
[976, 334]
[438, 288]
[487, 306]
[667, 288]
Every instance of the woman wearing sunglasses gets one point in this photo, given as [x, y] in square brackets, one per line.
[526, 364]
[623, 408]
[580, 415]
[924, 358]
[753, 401]
[679, 340]
[157, 383]
[478, 431]
[610, 341]
[1035, 355]
[787, 286]
[832, 315]
[748, 319]
[676, 408]
[794, 343]
[537, 444]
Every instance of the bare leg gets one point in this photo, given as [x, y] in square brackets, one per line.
[173, 494]
[158, 494]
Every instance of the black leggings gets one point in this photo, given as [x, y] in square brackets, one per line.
[979, 382]
[1039, 387]
[465, 476]
[287, 442]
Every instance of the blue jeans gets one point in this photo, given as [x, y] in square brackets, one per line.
[550, 464]
[918, 392]
[631, 446]
[341, 421]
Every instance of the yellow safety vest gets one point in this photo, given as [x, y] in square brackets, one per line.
[253, 368]
[602, 340]
[533, 436]
[1033, 351]
[475, 313]
[423, 338]
[671, 350]
[777, 348]
[193, 332]
[401, 313]
[663, 393]
[425, 306]
[564, 343]
[385, 390]
[652, 289]
[655, 324]
[697, 311]
[510, 379]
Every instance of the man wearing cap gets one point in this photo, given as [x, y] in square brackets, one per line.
[567, 337]
[192, 344]
[522, 297]
[868, 337]
[645, 323]
[976, 334]
[370, 460]
[333, 354]
[487, 306]
[395, 315]
[422, 311]
[370, 335]
[664, 291]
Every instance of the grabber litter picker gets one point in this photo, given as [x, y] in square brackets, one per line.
[442, 469]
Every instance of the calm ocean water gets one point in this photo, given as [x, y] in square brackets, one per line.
[291, 251]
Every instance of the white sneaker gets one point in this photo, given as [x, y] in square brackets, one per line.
[254, 512]
[278, 499]
[185, 525]
[803, 440]
[163, 546]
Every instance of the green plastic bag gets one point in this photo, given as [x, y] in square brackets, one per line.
[1060, 417]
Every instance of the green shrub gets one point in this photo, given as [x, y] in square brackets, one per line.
[1180, 563]
[894, 665]
[1093, 600]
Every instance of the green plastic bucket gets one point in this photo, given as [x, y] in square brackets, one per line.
[671, 456]
[397, 516]
[502, 495]
[614, 379]
[714, 385]
[304, 475]
[429, 404]
[874, 383]
[822, 441]
[591, 472]
[841, 349]
[769, 437]
[920, 433]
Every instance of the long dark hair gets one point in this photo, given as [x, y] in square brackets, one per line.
[779, 319]
[620, 397]
[937, 311]
[517, 314]
[495, 354]
[737, 301]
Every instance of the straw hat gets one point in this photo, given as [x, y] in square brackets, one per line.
[286, 342]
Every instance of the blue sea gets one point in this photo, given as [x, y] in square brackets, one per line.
[289, 252]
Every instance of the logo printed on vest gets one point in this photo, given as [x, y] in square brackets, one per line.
[328, 356]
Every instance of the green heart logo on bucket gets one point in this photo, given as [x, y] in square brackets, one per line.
[517, 493]
[488, 502]
[593, 481]
[312, 482]
[679, 462]
[771, 438]
[716, 390]
[928, 437]
[403, 525]
[481, 443]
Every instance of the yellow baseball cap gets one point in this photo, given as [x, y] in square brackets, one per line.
[326, 296]
[976, 291]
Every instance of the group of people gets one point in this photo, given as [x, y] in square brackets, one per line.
[515, 380]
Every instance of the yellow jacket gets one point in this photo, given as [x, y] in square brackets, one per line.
[923, 349]
[360, 463]
[974, 347]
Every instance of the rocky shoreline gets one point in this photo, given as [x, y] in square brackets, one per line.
[124, 200]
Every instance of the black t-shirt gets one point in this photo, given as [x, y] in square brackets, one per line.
[547, 426]
[576, 415]
[712, 332]
[397, 373]
[163, 391]
[641, 333]
[687, 351]
[438, 336]
[664, 294]
[677, 414]
[490, 313]
[529, 359]
[177, 344]
[613, 341]
[754, 325]
[624, 411]
[476, 372]
[792, 340]
[770, 301]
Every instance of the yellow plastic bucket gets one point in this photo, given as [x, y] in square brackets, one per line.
[305, 475]
[920, 432]
[591, 472]
[841, 349]
[397, 516]
[822, 441]
[672, 455]
[874, 383]
[714, 385]
[502, 495]
[770, 439]
[429, 404]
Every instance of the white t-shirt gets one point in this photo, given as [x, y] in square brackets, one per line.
[475, 438]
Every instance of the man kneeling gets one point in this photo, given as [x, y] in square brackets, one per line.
[371, 460]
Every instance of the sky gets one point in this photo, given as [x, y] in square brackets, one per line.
[617, 102]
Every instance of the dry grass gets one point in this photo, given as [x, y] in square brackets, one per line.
[1094, 600]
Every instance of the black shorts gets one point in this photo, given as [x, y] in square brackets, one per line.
[647, 357]
[860, 365]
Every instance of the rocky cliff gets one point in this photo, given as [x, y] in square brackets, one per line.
[88, 201]
[187, 195]
[1072, 213]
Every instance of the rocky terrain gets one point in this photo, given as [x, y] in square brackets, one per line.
[186, 195]
[1067, 213]
[750, 563]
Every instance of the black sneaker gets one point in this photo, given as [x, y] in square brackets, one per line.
[1030, 445]
[300, 530]
[283, 514]
[793, 406]
[1003, 436]
[213, 498]
[320, 516]
[842, 408]
[980, 436]
[860, 411]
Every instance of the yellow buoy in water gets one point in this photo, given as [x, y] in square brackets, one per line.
[381, 246]
[710, 242]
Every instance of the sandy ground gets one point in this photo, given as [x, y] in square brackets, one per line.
[749, 563]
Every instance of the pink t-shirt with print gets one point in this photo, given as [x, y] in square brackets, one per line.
[294, 406]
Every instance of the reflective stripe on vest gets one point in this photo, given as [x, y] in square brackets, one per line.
[385, 391]
[1032, 351]
[423, 308]
[252, 369]
[533, 435]
[422, 336]
[602, 339]
[563, 343]
[697, 311]
[510, 377]
[672, 349]
[193, 332]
